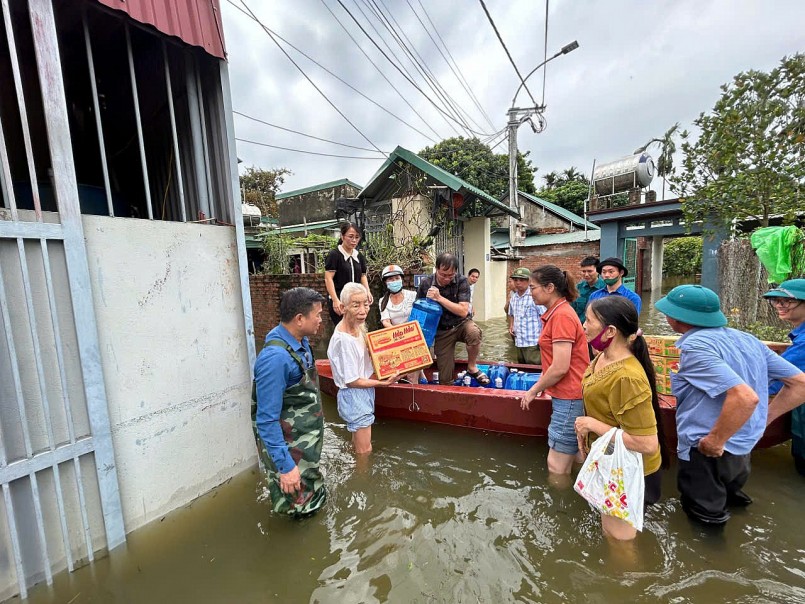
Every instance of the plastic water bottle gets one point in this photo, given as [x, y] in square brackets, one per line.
[498, 382]
[467, 380]
[435, 377]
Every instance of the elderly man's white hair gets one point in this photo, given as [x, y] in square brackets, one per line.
[351, 289]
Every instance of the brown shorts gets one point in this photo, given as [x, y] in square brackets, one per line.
[445, 346]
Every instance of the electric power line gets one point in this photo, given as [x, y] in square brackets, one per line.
[454, 66]
[398, 65]
[250, 117]
[312, 83]
[410, 81]
[449, 100]
[508, 54]
[334, 75]
[251, 142]
[383, 75]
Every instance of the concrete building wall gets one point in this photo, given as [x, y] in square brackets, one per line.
[476, 255]
[539, 220]
[498, 288]
[173, 349]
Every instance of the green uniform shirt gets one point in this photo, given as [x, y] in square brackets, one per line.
[580, 303]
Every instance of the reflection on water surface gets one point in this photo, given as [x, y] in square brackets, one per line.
[450, 515]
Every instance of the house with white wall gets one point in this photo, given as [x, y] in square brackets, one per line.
[126, 339]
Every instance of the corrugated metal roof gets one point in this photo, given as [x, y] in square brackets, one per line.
[558, 210]
[439, 174]
[326, 185]
[501, 240]
[196, 22]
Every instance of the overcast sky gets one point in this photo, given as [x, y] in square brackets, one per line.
[641, 67]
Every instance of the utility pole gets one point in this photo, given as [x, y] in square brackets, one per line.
[517, 116]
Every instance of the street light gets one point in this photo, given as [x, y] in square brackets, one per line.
[518, 116]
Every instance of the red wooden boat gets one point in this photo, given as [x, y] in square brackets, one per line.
[498, 410]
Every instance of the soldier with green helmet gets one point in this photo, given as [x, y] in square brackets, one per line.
[287, 415]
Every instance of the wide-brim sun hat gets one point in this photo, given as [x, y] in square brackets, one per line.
[693, 304]
[392, 270]
[521, 273]
[612, 262]
[793, 288]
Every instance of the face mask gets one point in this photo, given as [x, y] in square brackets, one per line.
[394, 286]
[598, 344]
[612, 281]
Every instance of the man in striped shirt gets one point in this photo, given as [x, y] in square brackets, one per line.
[524, 319]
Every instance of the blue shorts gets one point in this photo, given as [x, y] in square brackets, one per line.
[356, 406]
[562, 429]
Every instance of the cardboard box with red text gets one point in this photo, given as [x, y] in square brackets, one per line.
[398, 349]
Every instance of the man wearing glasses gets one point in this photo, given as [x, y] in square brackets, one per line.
[789, 301]
[452, 292]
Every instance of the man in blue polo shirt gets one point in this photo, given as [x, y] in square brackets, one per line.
[722, 401]
[613, 271]
[287, 416]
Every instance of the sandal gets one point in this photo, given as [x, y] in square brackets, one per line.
[480, 377]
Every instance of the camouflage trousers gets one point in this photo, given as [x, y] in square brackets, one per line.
[302, 423]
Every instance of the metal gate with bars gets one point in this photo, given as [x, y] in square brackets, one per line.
[630, 262]
[451, 239]
[60, 499]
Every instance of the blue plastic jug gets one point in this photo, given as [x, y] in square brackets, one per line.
[427, 313]
[496, 371]
[513, 381]
[528, 380]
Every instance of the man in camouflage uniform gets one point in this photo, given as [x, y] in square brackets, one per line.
[286, 412]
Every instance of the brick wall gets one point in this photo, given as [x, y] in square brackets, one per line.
[566, 256]
[266, 291]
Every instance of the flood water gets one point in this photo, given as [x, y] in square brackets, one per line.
[446, 514]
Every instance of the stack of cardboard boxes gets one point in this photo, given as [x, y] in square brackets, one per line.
[665, 357]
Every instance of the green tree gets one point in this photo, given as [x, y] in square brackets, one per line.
[749, 158]
[260, 188]
[682, 256]
[473, 161]
[665, 162]
[568, 194]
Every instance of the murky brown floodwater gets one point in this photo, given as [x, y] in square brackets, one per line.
[450, 515]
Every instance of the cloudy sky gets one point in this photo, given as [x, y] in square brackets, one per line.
[641, 67]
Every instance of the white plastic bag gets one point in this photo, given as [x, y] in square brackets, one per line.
[612, 483]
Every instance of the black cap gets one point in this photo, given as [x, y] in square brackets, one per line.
[613, 262]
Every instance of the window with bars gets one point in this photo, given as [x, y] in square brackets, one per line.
[145, 112]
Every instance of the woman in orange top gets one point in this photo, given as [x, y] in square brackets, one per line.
[564, 359]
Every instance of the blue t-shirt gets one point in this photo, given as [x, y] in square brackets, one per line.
[713, 360]
[794, 354]
[274, 372]
[621, 291]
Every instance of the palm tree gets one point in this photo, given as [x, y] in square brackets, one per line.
[572, 175]
[551, 179]
[665, 162]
